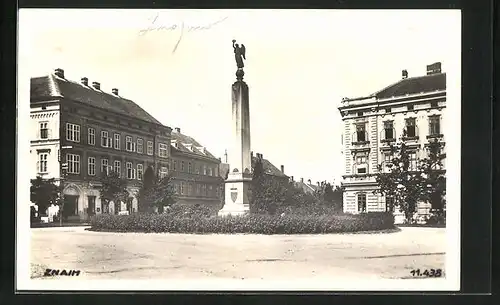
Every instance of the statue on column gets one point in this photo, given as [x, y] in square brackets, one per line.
[239, 54]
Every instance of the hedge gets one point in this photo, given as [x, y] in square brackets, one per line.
[252, 223]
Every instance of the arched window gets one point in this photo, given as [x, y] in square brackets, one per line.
[361, 202]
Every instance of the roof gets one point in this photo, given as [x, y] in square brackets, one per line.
[308, 188]
[414, 85]
[269, 168]
[185, 143]
[54, 86]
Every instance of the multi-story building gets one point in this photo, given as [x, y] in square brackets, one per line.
[268, 168]
[81, 132]
[195, 171]
[413, 107]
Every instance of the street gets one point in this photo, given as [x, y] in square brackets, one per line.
[183, 256]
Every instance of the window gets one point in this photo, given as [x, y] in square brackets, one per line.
[182, 187]
[104, 166]
[388, 110]
[44, 130]
[204, 189]
[190, 189]
[413, 161]
[162, 150]
[210, 191]
[410, 128]
[117, 168]
[182, 166]
[434, 126]
[163, 172]
[190, 169]
[389, 204]
[91, 136]
[140, 146]
[210, 171]
[360, 133]
[72, 132]
[140, 171]
[361, 202]
[131, 173]
[360, 113]
[128, 143]
[410, 107]
[434, 104]
[361, 164]
[204, 169]
[117, 141]
[198, 189]
[91, 166]
[105, 139]
[73, 163]
[150, 148]
[42, 162]
[389, 130]
[217, 171]
[174, 166]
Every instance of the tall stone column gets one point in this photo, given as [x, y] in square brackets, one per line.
[240, 166]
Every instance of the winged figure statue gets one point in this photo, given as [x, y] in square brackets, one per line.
[239, 54]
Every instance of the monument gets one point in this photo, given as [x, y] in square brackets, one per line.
[240, 164]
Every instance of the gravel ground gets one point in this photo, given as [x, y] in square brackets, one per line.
[184, 256]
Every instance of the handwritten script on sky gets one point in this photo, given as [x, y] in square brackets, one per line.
[156, 25]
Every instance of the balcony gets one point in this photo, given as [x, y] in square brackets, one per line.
[360, 138]
[388, 135]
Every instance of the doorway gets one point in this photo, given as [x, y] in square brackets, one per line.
[70, 208]
[91, 208]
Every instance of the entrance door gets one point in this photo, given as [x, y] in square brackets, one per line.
[70, 206]
[91, 208]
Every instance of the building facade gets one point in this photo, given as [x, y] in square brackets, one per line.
[79, 132]
[412, 106]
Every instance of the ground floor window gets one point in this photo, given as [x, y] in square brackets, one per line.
[361, 202]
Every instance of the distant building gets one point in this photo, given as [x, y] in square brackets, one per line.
[306, 187]
[269, 168]
[79, 130]
[414, 105]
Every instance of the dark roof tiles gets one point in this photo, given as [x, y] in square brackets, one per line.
[414, 85]
[53, 86]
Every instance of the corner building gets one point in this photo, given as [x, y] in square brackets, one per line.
[90, 132]
[414, 105]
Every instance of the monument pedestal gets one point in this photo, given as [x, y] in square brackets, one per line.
[236, 201]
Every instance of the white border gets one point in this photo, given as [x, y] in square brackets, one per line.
[450, 283]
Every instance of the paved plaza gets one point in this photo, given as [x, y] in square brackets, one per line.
[183, 256]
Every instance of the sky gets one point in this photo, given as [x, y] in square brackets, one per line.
[300, 64]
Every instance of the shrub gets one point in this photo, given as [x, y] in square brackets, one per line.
[252, 223]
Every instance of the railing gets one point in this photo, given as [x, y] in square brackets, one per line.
[360, 138]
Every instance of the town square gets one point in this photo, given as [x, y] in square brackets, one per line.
[200, 146]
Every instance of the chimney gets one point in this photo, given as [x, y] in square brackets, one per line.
[309, 181]
[96, 85]
[283, 169]
[261, 156]
[177, 129]
[291, 178]
[434, 68]
[220, 159]
[302, 180]
[404, 74]
[59, 72]
[85, 81]
[114, 91]
[317, 183]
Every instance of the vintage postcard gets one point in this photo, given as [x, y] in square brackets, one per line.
[238, 150]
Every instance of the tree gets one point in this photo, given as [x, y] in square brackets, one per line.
[267, 193]
[44, 192]
[113, 188]
[401, 180]
[159, 194]
[434, 183]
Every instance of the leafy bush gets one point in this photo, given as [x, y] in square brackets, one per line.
[176, 222]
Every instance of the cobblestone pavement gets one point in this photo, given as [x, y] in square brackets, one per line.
[183, 256]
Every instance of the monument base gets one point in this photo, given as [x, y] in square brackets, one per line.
[236, 195]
